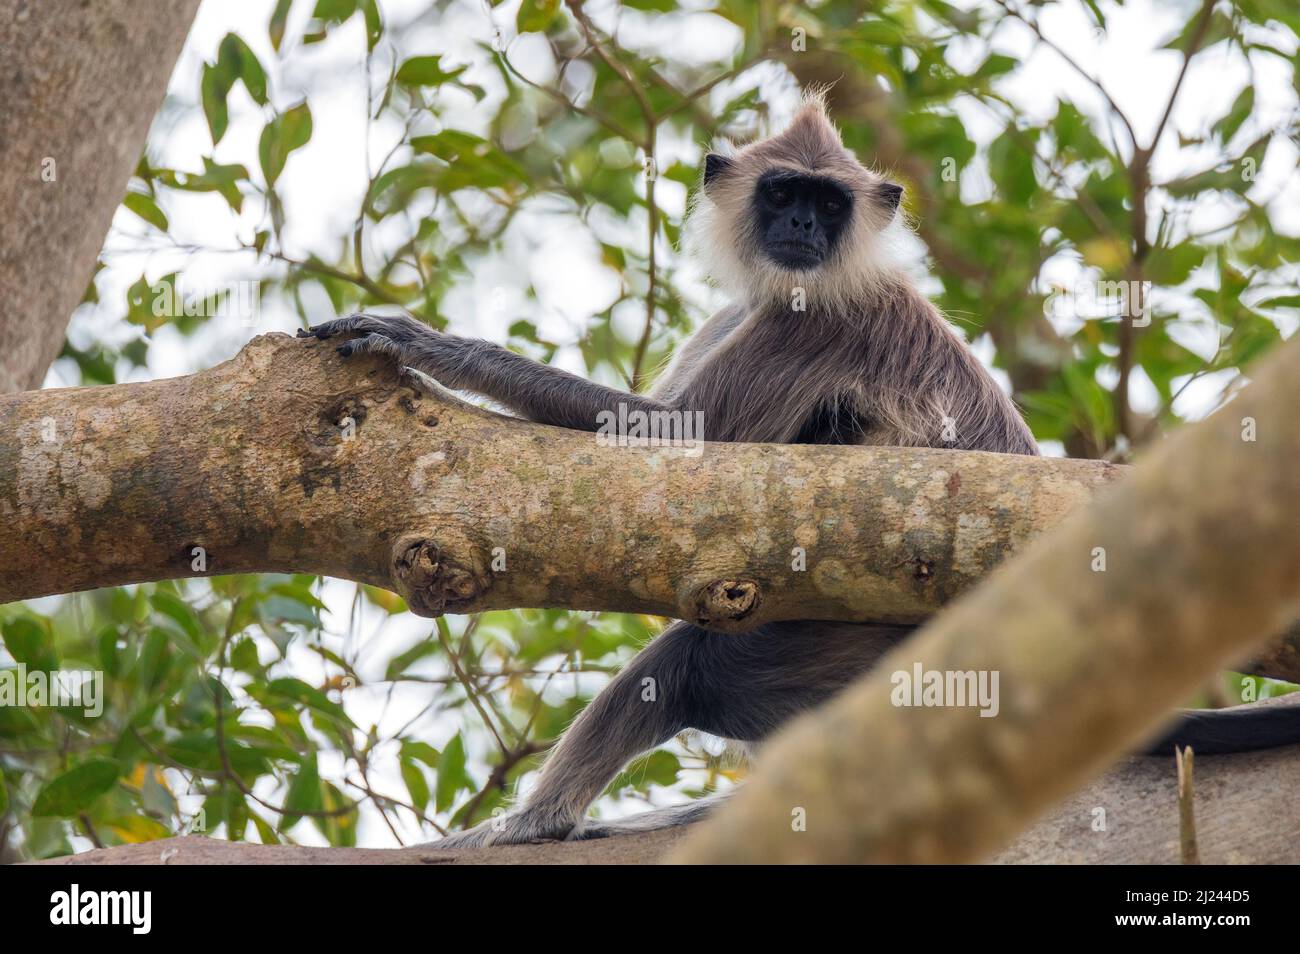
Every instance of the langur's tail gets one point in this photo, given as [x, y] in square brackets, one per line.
[1258, 725]
[673, 816]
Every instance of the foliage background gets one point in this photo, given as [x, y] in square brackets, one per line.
[520, 171]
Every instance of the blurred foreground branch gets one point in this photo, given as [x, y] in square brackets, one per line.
[1200, 563]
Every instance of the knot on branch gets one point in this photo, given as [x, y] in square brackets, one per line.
[431, 580]
[723, 603]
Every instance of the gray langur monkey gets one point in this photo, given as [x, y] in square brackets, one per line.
[827, 341]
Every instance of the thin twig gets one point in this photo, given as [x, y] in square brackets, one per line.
[471, 691]
[1188, 852]
[1074, 65]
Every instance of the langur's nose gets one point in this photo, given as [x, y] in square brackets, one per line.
[804, 222]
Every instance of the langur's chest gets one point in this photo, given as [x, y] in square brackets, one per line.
[837, 419]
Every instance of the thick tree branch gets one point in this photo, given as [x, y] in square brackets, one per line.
[287, 459]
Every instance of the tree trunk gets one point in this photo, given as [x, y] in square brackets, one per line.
[80, 83]
[1202, 562]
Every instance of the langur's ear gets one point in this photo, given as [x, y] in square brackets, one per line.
[715, 166]
[890, 196]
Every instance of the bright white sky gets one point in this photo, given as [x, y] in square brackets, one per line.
[324, 182]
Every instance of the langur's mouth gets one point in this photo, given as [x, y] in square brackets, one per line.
[795, 255]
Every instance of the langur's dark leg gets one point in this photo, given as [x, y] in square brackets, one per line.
[745, 687]
[738, 686]
[640, 709]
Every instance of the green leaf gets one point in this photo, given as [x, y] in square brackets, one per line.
[213, 89]
[180, 612]
[1252, 336]
[472, 162]
[1282, 301]
[287, 610]
[304, 793]
[452, 777]
[995, 65]
[264, 830]
[403, 661]
[244, 656]
[76, 789]
[29, 643]
[657, 768]
[215, 177]
[1241, 109]
[1074, 133]
[295, 690]
[109, 654]
[374, 22]
[235, 61]
[279, 19]
[1172, 266]
[1011, 164]
[340, 829]
[334, 10]
[536, 15]
[253, 75]
[1237, 176]
[416, 783]
[423, 751]
[426, 71]
[1220, 29]
[283, 135]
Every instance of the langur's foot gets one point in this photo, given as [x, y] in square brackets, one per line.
[516, 828]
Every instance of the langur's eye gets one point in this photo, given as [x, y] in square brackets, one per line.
[779, 195]
[832, 206]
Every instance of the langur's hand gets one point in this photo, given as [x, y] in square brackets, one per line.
[395, 336]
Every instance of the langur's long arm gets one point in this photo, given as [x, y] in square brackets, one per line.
[536, 391]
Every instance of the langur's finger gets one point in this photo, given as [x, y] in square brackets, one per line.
[353, 347]
[338, 326]
[370, 344]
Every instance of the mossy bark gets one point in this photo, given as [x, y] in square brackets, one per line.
[288, 459]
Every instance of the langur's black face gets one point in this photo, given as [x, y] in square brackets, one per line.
[800, 217]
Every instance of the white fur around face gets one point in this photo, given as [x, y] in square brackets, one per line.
[721, 233]
[865, 258]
